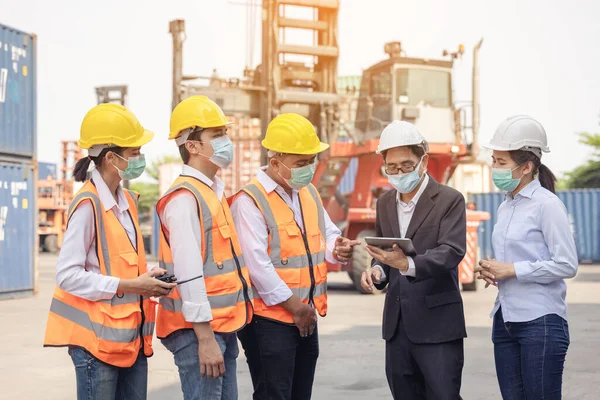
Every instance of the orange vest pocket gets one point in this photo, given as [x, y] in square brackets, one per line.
[131, 259]
[115, 333]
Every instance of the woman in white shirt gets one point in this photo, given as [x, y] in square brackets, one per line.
[534, 252]
[101, 307]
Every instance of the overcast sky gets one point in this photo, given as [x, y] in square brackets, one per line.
[539, 57]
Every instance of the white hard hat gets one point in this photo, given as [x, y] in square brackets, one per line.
[401, 133]
[520, 132]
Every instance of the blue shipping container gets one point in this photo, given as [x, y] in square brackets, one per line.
[348, 180]
[17, 93]
[18, 229]
[47, 171]
[583, 207]
[155, 234]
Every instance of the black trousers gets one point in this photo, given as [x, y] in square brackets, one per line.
[423, 371]
[282, 363]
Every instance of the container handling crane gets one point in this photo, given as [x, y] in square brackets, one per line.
[415, 90]
[303, 79]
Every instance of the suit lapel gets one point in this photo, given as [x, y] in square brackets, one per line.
[392, 214]
[423, 208]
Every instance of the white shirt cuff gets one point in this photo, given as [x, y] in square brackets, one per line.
[522, 270]
[276, 296]
[330, 243]
[383, 276]
[411, 271]
[112, 284]
[196, 313]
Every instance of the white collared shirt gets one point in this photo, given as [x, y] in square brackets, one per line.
[254, 239]
[78, 268]
[405, 214]
[181, 220]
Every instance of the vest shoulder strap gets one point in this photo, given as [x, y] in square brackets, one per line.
[134, 196]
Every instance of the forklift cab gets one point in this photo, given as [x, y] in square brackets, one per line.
[410, 89]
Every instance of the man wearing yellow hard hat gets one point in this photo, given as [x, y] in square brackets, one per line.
[101, 307]
[286, 236]
[199, 246]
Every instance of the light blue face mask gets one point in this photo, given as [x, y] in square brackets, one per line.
[503, 179]
[222, 151]
[301, 177]
[407, 182]
[135, 167]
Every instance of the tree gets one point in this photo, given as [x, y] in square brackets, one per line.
[587, 175]
[148, 198]
[149, 191]
[153, 168]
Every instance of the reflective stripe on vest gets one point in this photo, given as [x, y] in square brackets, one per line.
[300, 261]
[225, 289]
[118, 335]
[218, 301]
[99, 220]
[113, 330]
[210, 268]
[302, 253]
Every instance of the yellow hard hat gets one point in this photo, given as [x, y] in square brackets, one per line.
[112, 124]
[196, 111]
[293, 134]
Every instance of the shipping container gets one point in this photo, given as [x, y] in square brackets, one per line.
[583, 207]
[347, 182]
[17, 93]
[155, 234]
[18, 229]
[47, 170]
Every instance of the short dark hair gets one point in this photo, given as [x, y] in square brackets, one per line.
[183, 152]
[416, 149]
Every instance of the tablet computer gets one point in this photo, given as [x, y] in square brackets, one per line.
[386, 243]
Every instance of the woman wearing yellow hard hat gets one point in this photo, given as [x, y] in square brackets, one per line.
[101, 309]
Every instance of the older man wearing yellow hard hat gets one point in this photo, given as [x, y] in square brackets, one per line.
[286, 236]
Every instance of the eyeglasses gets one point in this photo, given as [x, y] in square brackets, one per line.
[395, 170]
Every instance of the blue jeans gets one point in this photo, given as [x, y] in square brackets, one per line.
[530, 357]
[97, 380]
[184, 346]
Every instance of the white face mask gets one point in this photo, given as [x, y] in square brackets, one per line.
[406, 182]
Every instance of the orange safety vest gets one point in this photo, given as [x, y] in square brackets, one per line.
[226, 277]
[298, 257]
[111, 330]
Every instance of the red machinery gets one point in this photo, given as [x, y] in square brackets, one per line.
[419, 91]
[302, 78]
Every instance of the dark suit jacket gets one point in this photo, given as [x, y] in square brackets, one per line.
[429, 305]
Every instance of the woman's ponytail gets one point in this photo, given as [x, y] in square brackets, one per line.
[547, 178]
[82, 166]
[81, 169]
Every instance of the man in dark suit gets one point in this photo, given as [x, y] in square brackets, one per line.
[423, 318]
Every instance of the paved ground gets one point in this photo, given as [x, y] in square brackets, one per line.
[352, 353]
